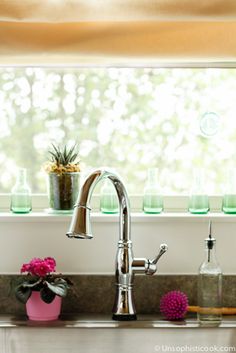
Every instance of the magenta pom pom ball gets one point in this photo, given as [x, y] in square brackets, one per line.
[173, 305]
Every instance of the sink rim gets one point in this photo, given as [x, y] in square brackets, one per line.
[97, 321]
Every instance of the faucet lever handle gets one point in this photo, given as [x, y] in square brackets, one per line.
[163, 249]
[152, 264]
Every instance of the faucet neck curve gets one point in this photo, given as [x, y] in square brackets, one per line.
[86, 192]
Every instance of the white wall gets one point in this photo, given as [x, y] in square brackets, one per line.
[22, 238]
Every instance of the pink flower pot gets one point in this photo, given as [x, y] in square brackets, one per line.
[39, 311]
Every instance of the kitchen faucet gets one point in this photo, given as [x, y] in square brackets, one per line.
[126, 264]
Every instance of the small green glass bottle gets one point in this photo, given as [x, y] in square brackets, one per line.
[108, 198]
[152, 198]
[198, 200]
[21, 194]
[229, 198]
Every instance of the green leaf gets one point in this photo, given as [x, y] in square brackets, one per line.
[65, 151]
[23, 293]
[30, 284]
[70, 152]
[64, 156]
[47, 295]
[59, 287]
[56, 149]
[57, 155]
[73, 158]
[54, 156]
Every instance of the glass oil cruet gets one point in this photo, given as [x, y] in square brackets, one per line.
[210, 286]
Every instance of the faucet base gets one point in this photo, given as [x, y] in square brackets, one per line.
[123, 309]
[125, 317]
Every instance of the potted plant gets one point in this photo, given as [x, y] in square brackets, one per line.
[41, 289]
[63, 170]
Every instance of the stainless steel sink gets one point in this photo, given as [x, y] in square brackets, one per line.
[100, 334]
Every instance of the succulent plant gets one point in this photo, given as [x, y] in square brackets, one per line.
[63, 160]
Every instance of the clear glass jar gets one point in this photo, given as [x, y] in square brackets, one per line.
[152, 197]
[229, 198]
[198, 199]
[108, 198]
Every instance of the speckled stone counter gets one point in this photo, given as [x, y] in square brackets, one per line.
[95, 293]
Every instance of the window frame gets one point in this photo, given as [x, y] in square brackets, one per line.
[172, 203]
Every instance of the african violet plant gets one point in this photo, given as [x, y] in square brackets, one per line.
[40, 276]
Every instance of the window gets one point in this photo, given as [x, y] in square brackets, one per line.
[129, 119]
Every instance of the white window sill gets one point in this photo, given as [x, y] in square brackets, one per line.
[136, 217]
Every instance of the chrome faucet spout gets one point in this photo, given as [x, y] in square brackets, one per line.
[126, 264]
[80, 224]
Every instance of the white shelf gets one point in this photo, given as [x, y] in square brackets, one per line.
[107, 218]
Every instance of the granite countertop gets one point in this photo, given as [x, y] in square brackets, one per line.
[105, 321]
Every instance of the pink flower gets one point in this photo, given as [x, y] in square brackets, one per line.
[40, 267]
[34, 264]
[25, 268]
[51, 262]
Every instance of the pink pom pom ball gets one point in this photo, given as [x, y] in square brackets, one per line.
[173, 305]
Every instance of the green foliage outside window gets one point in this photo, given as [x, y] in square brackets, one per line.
[128, 119]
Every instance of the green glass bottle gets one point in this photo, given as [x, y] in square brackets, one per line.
[152, 198]
[198, 200]
[108, 198]
[229, 198]
[21, 194]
